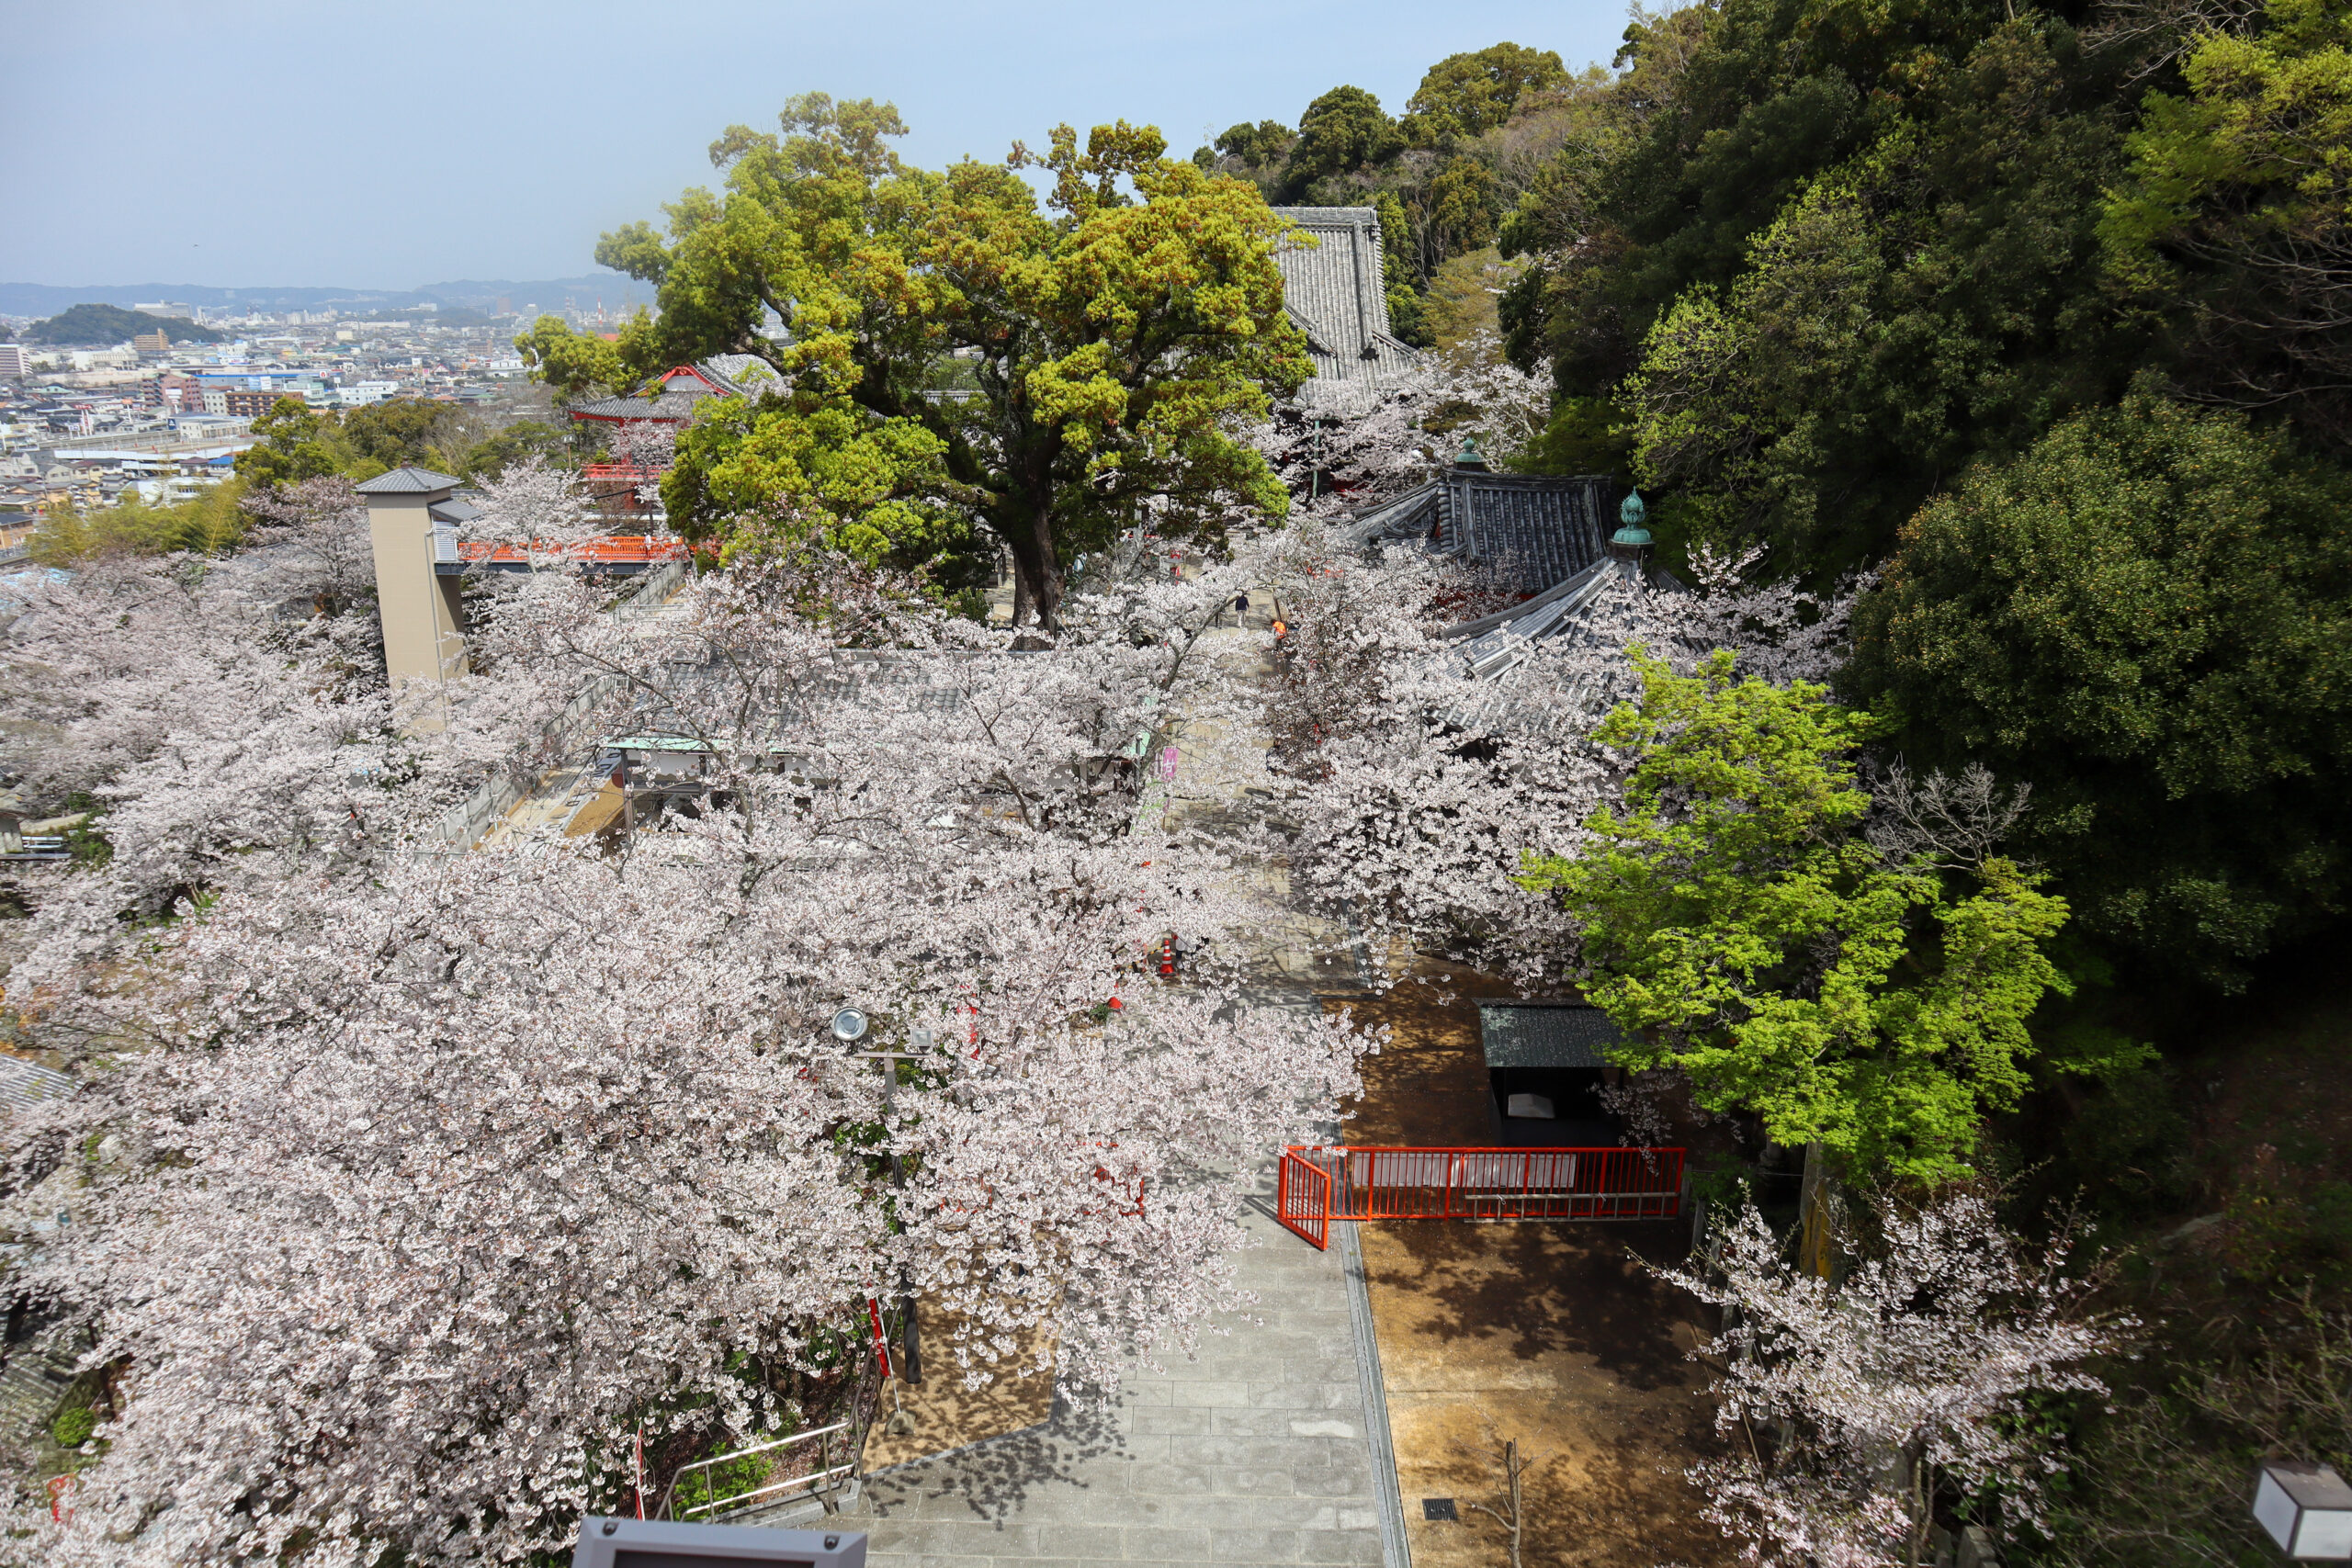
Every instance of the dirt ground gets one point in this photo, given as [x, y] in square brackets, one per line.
[1547, 1334]
[947, 1416]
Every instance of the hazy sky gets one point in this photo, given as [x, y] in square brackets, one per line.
[379, 145]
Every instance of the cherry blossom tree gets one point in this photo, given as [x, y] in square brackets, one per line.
[650, 445]
[406, 1193]
[538, 508]
[1863, 1407]
[228, 719]
[1337, 458]
[1422, 782]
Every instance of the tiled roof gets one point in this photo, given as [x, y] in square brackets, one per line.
[677, 407]
[22, 1082]
[742, 372]
[1545, 1034]
[722, 374]
[1332, 291]
[1532, 530]
[1495, 653]
[406, 481]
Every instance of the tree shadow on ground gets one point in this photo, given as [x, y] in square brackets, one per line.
[1547, 1289]
[995, 1477]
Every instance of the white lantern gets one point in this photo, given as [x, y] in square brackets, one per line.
[2307, 1509]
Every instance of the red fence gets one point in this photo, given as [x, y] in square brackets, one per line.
[618, 550]
[1316, 1185]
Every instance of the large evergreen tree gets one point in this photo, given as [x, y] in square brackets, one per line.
[1043, 377]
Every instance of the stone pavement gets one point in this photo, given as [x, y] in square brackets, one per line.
[1256, 1453]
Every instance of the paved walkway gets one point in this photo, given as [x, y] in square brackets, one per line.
[1256, 1453]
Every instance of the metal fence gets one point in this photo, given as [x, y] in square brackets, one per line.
[750, 1477]
[1316, 1185]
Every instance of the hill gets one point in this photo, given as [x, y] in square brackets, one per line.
[103, 324]
[479, 294]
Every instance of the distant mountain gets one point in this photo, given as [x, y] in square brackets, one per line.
[102, 325]
[549, 294]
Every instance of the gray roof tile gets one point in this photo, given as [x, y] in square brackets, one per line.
[1545, 1034]
[22, 1082]
[1534, 529]
[406, 481]
[1333, 290]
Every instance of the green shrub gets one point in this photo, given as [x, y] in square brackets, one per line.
[2128, 1147]
[73, 1427]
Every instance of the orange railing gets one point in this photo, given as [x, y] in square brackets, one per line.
[1317, 1184]
[618, 550]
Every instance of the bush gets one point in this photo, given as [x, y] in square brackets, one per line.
[2149, 618]
[2128, 1147]
[2162, 1482]
[73, 1427]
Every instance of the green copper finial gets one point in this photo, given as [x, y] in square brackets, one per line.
[1468, 457]
[1631, 514]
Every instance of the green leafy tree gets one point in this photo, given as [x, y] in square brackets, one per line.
[1464, 94]
[209, 523]
[396, 432]
[1931, 298]
[1343, 130]
[2239, 204]
[1458, 214]
[1586, 435]
[828, 470]
[491, 455]
[1267, 141]
[1741, 927]
[1399, 279]
[1072, 366]
[1460, 306]
[294, 442]
[575, 363]
[2149, 616]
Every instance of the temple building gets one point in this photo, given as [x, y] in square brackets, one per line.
[1528, 531]
[1332, 292]
[670, 398]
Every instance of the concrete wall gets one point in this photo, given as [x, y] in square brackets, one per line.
[423, 620]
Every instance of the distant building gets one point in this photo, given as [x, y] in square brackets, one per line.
[1332, 292]
[14, 360]
[178, 312]
[246, 404]
[156, 342]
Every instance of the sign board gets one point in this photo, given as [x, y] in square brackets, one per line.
[658, 1543]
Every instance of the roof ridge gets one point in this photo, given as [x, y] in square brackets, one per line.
[406, 479]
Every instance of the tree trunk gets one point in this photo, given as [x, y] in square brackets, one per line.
[1036, 574]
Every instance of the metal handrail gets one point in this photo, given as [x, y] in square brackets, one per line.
[811, 1482]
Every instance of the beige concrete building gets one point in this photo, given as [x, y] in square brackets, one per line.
[412, 522]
